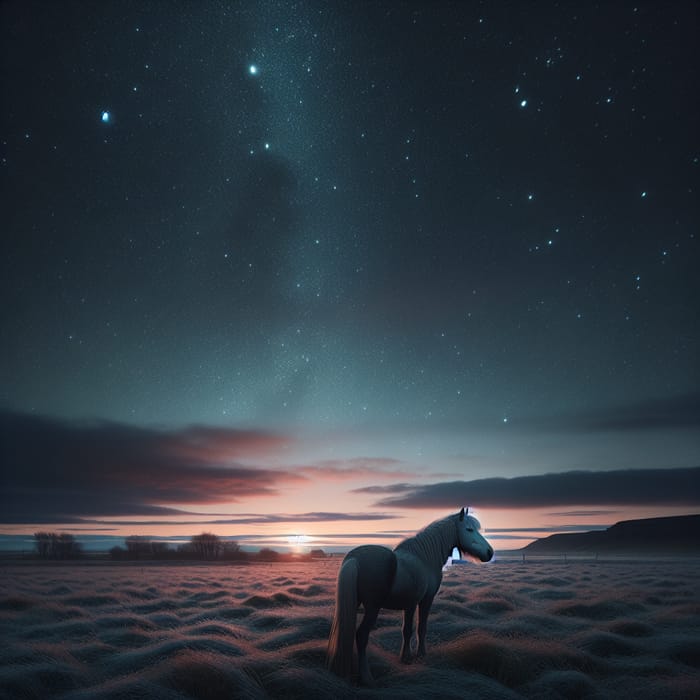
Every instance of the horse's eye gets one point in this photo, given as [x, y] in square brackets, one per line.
[470, 529]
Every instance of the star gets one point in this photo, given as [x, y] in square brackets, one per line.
[106, 117]
[253, 69]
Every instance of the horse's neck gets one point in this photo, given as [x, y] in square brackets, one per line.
[433, 544]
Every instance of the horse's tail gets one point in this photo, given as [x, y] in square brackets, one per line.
[342, 637]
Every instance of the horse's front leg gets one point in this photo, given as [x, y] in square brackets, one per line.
[407, 632]
[362, 637]
[423, 612]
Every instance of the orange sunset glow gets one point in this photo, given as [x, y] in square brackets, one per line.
[271, 489]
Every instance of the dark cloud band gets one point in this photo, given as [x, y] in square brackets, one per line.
[620, 487]
[53, 471]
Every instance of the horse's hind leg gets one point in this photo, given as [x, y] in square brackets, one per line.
[423, 611]
[362, 637]
[407, 632]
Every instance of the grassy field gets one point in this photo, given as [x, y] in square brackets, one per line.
[541, 629]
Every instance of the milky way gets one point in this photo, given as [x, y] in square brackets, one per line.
[451, 235]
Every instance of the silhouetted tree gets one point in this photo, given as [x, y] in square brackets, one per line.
[159, 550]
[186, 551]
[52, 545]
[137, 547]
[267, 554]
[42, 542]
[68, 547]
[233, 551]
[207, 545]
[117, 553]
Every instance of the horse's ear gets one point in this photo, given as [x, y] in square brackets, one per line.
[461, 514]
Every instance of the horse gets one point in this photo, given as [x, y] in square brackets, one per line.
[402, 579]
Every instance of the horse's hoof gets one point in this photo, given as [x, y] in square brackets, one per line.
[367, 681]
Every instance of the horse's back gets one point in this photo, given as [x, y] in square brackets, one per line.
[376, 572]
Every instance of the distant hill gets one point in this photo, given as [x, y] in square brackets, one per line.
[671, 536]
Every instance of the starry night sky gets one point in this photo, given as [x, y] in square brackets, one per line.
[305, 254]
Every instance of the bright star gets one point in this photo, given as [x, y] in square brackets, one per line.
[106, 116]
[523, 103]
[253, 69]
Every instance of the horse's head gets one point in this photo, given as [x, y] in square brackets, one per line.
[470, 540]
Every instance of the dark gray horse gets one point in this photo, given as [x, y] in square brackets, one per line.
[402, 579]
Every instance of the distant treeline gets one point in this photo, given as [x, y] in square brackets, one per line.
[206, 546]
[203, 547]
[53, 545]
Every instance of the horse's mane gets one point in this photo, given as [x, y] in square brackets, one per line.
[434, 543]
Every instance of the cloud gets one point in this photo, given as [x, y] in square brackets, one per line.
[339, 469]
[53, 471]
[582, 513]
[255, 519]
[390, 488]
[317, 517]
[549, 529]
[604, 488]
[207, 443]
